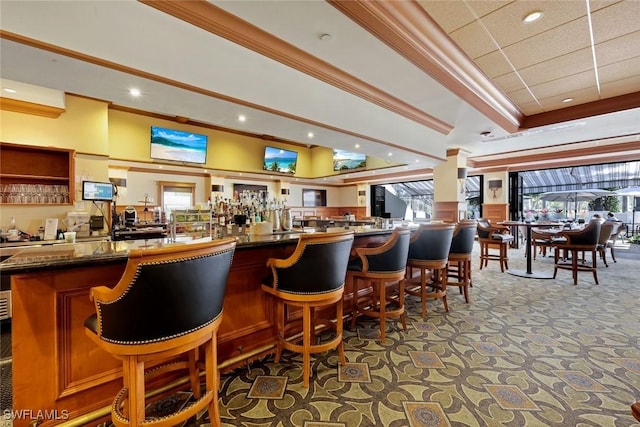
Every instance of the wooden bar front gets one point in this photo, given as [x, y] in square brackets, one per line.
[59, 374]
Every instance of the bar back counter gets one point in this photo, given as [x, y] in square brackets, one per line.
[60, 376]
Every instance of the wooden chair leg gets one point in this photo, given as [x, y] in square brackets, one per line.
[403, 317]
[354, 305]
[423, 292]
[134, 381]
[383, 314]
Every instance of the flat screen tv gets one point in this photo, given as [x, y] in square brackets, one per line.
[345, 160]
[280, 160]
[97, 191]
[178, 146]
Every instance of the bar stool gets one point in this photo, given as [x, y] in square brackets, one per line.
[168, 303]
[428, 252]
[378, 266]
[459, 265]
[492, 237]
[312, 277]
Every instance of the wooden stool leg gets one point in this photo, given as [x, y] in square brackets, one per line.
[382, 291]
[194, 373]
[403, 317]
[134, 382]
[306, 344]
[443, 281]
[339, 328]
[354, 301]
[212, 381]
[280, 329]
[423, 291]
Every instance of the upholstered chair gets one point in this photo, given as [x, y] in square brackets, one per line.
[618, 228]
[429, 254]
[459, 259]
[377, 267]
[311, 278]
[574, 242]
[166, 307]
[606, 230]
[493, 237]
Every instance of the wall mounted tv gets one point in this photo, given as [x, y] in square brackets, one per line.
[97, 191]
[280, 160]
[178, 146]
[345, 160]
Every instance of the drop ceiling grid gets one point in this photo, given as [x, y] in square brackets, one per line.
[616, 20]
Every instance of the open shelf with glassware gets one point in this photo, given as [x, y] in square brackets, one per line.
[191, 222]
[32, 175]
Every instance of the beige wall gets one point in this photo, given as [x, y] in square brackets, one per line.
[103, 138]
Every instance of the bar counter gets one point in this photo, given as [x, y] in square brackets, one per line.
[57, 368]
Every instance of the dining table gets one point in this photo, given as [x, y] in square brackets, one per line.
[529, 273]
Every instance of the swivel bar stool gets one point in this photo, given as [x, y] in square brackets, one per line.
[459, 266]
[429, 252]
[167, 305]
[312, 277]
[379, 266]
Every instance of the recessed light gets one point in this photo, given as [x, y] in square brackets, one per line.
[310, 135]
[357, 145]
[242, 118]
[325, 37]
[532, 17]
[9, 90]
[389, 153]
[567, 100]
[134, 92]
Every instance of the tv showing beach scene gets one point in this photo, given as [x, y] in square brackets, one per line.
[280, 160]
[345, 160]
[178, 146]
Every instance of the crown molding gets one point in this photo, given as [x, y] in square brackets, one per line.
[24, 107]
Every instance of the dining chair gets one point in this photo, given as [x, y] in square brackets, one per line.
[606, 230]
[618, 228]
[574, 242]
[492, 236]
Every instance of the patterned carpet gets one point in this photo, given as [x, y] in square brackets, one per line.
[524, 352]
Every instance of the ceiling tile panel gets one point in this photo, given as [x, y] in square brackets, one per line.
[506, 24]
[616, 20]
[475, 41]
[530, 108]
[566, 84]
[495, 64]
[559, 41]
[618, 49]
[620, 87]
[620, 70]
[522, 96]
[573, 62]
[509, 82]
[450, 15]
[580, 96]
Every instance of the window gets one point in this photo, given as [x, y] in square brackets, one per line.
[176, 195]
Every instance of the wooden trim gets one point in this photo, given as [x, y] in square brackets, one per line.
[590, 109]
[24, 107]
[222, 23]
[407, 28]
[495, 212]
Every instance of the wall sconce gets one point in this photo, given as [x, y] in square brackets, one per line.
[217, 188]
[462, 176]
[495, 185]
[361, 196]
[284, 191]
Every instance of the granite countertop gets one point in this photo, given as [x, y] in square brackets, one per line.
[23, 259]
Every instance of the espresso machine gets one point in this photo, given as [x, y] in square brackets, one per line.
[130, 216]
